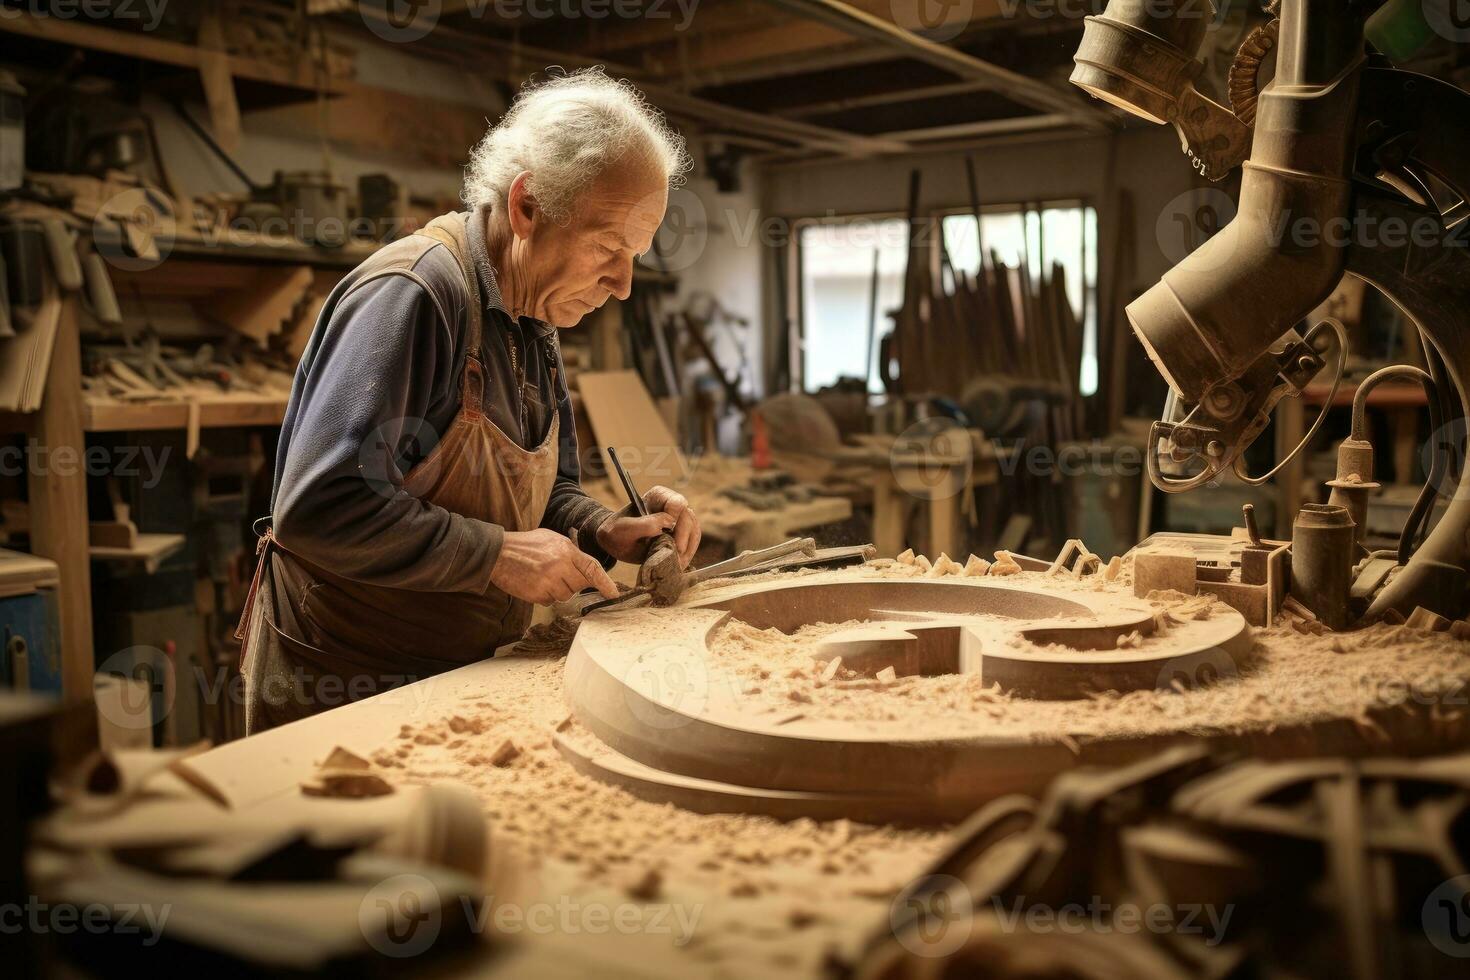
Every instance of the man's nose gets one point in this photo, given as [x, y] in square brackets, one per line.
[620, 282]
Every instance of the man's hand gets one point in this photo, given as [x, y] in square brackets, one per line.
[626, 538]
[543, 567]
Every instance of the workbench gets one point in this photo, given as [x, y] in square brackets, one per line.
[259, 777]
[723, 519]
[942, 484]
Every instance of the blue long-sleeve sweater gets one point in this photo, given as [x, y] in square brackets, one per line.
[378, 385]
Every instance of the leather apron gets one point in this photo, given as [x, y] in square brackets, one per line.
[302, 623]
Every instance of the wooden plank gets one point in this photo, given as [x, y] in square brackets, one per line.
[222, 411]
[623, 414]
[24, 358]
[58, 498]
[149, 550]
[21, 573]
[218, 82]
[136, 44]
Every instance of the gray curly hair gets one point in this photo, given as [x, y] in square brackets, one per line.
[565, 132]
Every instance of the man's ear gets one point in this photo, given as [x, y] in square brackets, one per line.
[521, 205]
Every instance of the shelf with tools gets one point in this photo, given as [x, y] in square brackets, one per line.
[204, 411]
[204, 338]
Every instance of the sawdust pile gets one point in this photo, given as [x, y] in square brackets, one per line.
[773, 897]
[781, 898]
[1293, 679]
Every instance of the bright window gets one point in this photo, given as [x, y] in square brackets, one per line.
[1065, 233]
[836, 261]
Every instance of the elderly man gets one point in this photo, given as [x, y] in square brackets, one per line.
[427, 483]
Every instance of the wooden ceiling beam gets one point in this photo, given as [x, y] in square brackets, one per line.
[891, 97]
[984, 127]
[1020, 88]
[734, 16]
[677, 104]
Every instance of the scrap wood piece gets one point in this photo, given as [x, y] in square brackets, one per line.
[945, 565]
[1005, 564]
[108, 781]
[623, 415]
[505, 754]
[1427, 619]
[1163, 570]
[1076, 558]
[344, 774]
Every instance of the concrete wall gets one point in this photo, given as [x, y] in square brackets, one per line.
[719, 254]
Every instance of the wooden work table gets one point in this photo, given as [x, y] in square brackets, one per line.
[260, 779]
[941, 484]
[728, 520]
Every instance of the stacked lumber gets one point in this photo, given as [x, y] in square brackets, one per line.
[999, 323]
[1005, 336]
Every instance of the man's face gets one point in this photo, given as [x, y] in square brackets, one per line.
[574, 269]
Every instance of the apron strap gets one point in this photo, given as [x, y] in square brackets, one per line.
[262, 556]
[472, 383]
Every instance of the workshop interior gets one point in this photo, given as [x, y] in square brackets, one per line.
[994, 503]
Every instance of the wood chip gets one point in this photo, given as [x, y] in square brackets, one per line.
[461, 725]
[977, 566]
[887, 675]
[1005, 564]
[923, 563]
[648, 887]
[347, 784]
[340, 758]
[1114, 569]
[505, 755]
[946, 565]
[906, 557]
[1427, 619]
[830, 671]
[1293, 605]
